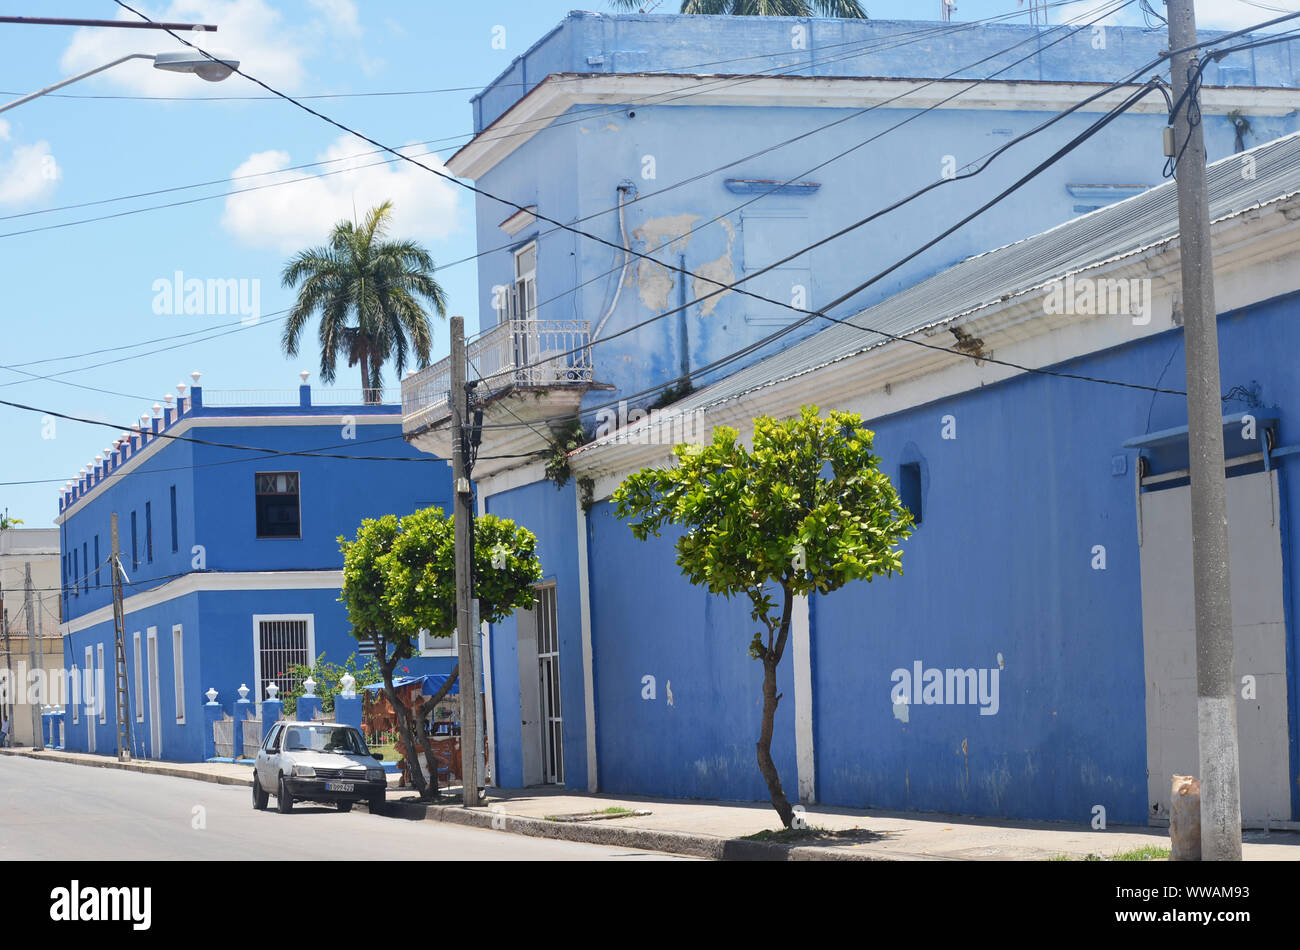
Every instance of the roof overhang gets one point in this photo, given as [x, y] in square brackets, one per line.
[1256, 258]
[559, 92]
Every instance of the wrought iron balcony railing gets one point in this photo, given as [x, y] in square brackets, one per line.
[515, 353]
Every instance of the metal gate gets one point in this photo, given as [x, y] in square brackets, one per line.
[1259, 644]
[548, 682]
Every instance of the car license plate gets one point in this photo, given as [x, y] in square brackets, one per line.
[340, 787]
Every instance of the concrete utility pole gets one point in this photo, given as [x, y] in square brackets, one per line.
[1216, 709]
[470, 740]
[120, 686]
[7, 709]
[38, 734]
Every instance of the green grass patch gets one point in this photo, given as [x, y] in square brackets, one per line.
[1148, 852]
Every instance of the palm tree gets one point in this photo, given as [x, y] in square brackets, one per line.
[365, 288]
[846, 9]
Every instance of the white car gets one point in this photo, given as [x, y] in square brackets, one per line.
[317, 762]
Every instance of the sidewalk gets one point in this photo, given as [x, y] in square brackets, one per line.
[722, 830]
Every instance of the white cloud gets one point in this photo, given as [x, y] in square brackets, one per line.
[342, 14]
[28, 173]
[4, 131]
[268, 45]
[290, 217]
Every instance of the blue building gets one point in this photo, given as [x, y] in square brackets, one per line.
[233, 563]
[1050, 570]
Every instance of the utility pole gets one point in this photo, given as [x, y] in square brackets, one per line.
[1216, 710]
[38, 734]
[470, 740]
[119, 647]
[7, 709]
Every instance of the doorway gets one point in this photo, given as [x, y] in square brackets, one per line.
[155, 710]
[541, 715]
[1259, 644]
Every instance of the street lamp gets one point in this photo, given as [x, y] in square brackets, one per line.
[187, 61]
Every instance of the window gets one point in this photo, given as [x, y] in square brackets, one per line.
[438, 646]
[272, 743]
[77, 699]
[85, 561]
[175, 545]
[99, 680]
[139, 678]
[148, 531]
[178, 671]
[74, 573]
[525, 290]
[909, 488]
[278, 513]
[281, 641]
[135, 550]
[98, 562]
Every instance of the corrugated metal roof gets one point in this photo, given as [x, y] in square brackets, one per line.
[1113, 231]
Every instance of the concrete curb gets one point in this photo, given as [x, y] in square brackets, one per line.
[644, 839]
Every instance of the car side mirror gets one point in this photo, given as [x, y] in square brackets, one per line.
[377, 755]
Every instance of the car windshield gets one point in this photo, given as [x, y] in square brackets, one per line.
[341, 739]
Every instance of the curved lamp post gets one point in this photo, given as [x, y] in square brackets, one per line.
[185, 61]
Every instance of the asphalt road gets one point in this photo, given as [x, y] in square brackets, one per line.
[56, 811]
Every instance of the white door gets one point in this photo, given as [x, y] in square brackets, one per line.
[155, 710]
[530, 714]
[92, 707]
[1259, 642]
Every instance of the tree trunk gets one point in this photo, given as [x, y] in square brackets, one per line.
[426, 747]
[771, 660]
[365, 371]
[765, 764]
[408, 733]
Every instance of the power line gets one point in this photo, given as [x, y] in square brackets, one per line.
[470, 187]
[568, 119]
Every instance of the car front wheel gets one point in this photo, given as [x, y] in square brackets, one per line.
[344, 807]
[259, 795]
[283, 801]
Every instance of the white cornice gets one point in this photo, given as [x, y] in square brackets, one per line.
[158, 442]
[1256, 258]
[559, 92]
[211, 581]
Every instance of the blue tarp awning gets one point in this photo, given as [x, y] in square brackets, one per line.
[430, 684]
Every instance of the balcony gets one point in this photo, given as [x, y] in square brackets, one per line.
[527, 370]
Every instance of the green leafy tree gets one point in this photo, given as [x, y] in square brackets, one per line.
[846, 9]
[6, 522]
[367, 290]
[399, 577]
[806, 510]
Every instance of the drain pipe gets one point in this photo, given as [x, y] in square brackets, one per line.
[623, 189]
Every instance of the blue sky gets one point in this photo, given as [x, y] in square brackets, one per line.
[85, 287]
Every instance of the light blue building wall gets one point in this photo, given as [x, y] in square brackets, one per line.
[657, 103]
[201, 581]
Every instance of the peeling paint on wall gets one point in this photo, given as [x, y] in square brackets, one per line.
[715, 272]
[654, 281]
